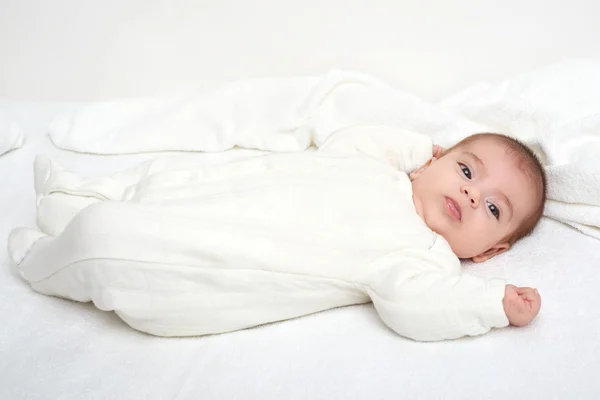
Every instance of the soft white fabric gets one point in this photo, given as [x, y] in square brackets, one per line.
[554, 109]
[11, 136]
[201, 250]
[266, 114]
[557, 109]
[51, 348]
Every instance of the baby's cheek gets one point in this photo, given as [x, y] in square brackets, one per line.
[473, 241]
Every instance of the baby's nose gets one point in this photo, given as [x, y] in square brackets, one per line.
[473, 195]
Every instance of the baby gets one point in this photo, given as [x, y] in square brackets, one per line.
[177, 249]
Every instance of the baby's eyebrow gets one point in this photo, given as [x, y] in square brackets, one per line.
[478, 161]
[507, 201]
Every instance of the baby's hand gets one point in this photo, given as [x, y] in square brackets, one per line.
[521, 305]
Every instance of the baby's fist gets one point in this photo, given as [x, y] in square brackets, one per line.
[521, 305]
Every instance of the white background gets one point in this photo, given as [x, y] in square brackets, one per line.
[91, 50]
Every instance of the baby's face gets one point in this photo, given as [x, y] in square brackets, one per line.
[475, 197]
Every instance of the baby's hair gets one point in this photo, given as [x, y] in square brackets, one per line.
[530, 164]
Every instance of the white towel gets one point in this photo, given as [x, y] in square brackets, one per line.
[11, 136]
[556, 109]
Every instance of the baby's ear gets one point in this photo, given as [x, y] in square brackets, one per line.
[415, 174]
[494, 251]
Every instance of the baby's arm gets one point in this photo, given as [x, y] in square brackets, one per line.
[403, 150]
[427, 298]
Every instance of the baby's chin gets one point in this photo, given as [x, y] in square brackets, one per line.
[439, 225]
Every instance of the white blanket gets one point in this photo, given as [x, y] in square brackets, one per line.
[554, 109]
[11, 136]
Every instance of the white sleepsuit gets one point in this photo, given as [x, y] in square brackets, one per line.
[182, 249]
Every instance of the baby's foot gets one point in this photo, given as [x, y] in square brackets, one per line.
[41, 173]
[56, 210]
[44, 173]
[60, 195]
[20, 241]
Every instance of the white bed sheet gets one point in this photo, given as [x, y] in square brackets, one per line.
[51, 348]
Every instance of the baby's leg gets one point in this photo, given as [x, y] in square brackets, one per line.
[61, 194]
[151, 268]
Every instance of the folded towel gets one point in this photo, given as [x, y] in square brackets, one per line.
[11, 136]
[556, 110]
[575, 193]
[583, 217]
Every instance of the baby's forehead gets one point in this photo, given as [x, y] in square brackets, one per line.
[520, 154]
[501, 151]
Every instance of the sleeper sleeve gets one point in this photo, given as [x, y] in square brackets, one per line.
[425, 297]
[402, 149]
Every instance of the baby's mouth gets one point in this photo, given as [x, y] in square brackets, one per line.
[453, 208]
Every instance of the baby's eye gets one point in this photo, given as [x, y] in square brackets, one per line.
[494, 210]
[465, 170]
